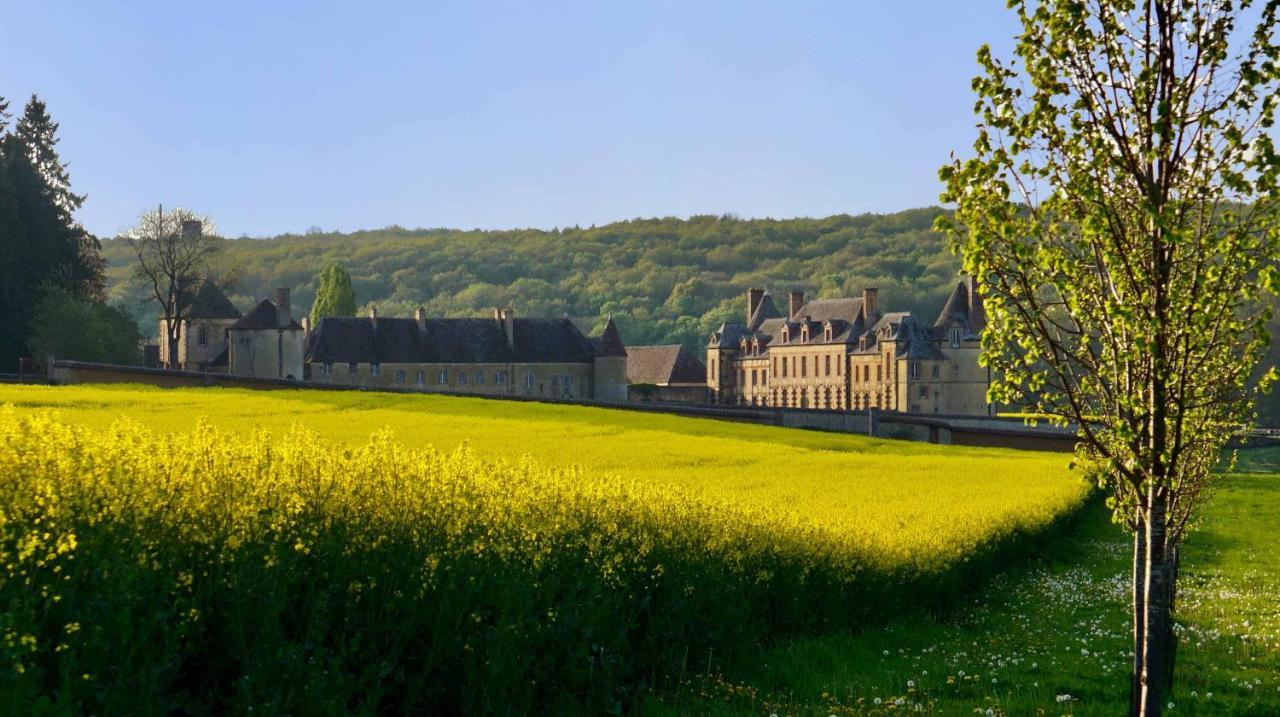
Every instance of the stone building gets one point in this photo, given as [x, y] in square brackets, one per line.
[665, 373]
[202, 333]
[501, 356]
[215, 337]
[845, 354]
[267, 342]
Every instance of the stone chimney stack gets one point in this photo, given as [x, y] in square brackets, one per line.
[869, 306]
[508, 317]
[794, 301]
[754, 297]
[284, 312]
[192, 229]
[420, 316]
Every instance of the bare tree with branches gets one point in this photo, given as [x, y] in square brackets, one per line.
[1122, 212]
[175, 251]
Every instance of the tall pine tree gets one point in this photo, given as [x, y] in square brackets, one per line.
[39, 134]
[41, 245]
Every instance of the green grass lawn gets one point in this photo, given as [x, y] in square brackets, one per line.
[1050, 638]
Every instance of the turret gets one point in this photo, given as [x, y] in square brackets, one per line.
[610, 369]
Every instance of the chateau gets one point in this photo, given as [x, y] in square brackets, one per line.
[844, 354]
[498, 356]
[214, 337]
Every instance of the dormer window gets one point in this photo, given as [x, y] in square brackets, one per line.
[955, 337]
[827, 332]
[786, 334]
[804, 332]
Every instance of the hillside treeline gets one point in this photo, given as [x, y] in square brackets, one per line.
[664, 280]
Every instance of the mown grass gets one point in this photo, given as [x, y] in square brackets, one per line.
[1049, 638]
[194, 567]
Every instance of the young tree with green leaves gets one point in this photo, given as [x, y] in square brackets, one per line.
[73, 327]
[335, 297]
[1122, 214]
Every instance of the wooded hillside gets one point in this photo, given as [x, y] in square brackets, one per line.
[664, 280]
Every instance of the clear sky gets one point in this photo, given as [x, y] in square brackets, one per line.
[274, 117]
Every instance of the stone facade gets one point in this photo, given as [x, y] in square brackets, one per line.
[202, 332]
[844, 354]
[498, 356]
[267, 342]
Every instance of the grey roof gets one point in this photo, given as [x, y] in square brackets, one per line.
[383, 340]
[610, 343]
[209, 302]
[664, 365]
[846, 309]
[764, 310]
[963, 307]
[727, 335]
[262, 316]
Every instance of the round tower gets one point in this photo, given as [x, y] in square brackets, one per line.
[610, 379]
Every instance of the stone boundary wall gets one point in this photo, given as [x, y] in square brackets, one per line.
[987, 431]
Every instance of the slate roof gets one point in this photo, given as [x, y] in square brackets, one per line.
[664, 365]
[262, 316]
[963, 307]
[209, 302]
[388, 340]
[764, 310]
[610, 343]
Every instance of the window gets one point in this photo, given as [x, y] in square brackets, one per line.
[555, 382]
[784, 367]
[202, 367]
[528, 379]
[375, 369]
[479, 377]
[879, 373]
[827, 370]
[500, 378]
[399, 376]
[420, 378]
[804, 366]
[866, 373]
[443, 378]
[955, 337]
[935, 370]
[915, 369]
[924, 392]
[326, 369]
[202, 335]
[462, 378]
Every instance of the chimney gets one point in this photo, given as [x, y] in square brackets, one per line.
[869, 307]
[754, 297]
[420, 316]
[192, 229]
[373, 315]
[977, 313]
[509, 325]
[794, 302]
[306, 328]
[284, 312]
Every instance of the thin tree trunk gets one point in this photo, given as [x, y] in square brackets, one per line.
[1155, 637]
[1171, 638]
[1138, 611]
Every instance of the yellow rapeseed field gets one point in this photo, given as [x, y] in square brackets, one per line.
[329, 553]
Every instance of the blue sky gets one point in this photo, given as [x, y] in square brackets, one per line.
[274, 117]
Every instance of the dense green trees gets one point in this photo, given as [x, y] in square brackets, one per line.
[70, 326]
[42, 247]
[335, 297]
[664, 280]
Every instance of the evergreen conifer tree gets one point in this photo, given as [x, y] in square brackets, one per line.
[335, 297]
[39, 134]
